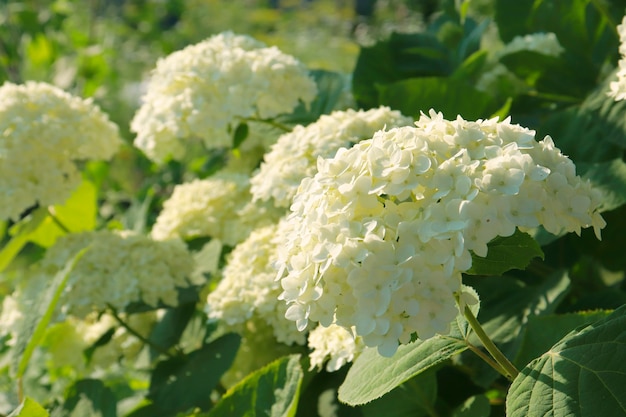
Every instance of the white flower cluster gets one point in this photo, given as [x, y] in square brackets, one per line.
[618, 88]
[378, 238]
[202, 90]
[44, 131]
[542, 43]
[294, 156]
[119, 268]
[218, 206]
[249, 290]
[333, 345]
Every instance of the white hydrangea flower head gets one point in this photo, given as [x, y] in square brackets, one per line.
[334, 346]
[119, 268]
[545, 43]
[249, 289]
[44, 132]
[294, 155]
[618, 88]
[378, 239]
[218, 206]
[202, 92]
[11, 317]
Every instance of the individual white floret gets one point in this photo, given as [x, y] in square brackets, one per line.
[294, 156]
[203, 91]
[44, 133]
[378, 238]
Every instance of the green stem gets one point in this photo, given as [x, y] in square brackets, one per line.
[270, 122]
[136, 333]
[56, 220]
[510, 371]
[487, 359]
[605, 13]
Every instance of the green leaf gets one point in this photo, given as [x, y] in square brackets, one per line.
[37, 318]
[20, 233]
[29, 408]
[77, 214]
[476, 406]
[415, 398]
[505, 307]
[583, 375]
[541, 332]
[372, 375]
[241, 133]
[506, 253]
[332, 88]
[167, 332]
[90, 397]
[181, 383]
[610, 178]
[270, 391]
[450, 96]
[400, 57]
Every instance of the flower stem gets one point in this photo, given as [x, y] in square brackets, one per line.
[270, 122]
[135, 333]
[56, 220]
[509, 370]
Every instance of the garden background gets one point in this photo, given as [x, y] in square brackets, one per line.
[553, 304]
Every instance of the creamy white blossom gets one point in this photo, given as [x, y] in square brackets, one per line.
[248, 289]
[618, 88]
[119, 268]
[378, 239]
[218, 206]
[334, 346]
[545, 43]
[295, 154]
[203, 91]
[44, 132]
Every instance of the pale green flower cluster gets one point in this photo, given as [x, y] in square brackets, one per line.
[334, 346]
[218, 206]
[294, 156]
[44, 132]
[204, 90]
[119, 268]
[618, 88]
[542, 43]
[249, 290]
[378, 238]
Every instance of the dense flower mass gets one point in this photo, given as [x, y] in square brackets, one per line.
[294, 156]
[618, 88]
[44, 131]
[249, 290]
[217, 206]
[204, 89]
[334, 346]
[119, 268]
[379, 237]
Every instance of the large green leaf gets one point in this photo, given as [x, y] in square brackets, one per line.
[416, 398]
[185, 382]
[167, 332]
[37, 318]
[400, 57]
[20, 236]
[372, 375]
[271, 391]
[29, 408]
[450, 96]
[505, 307]
[506, 253]
[541, 332]
[90, 397]
[582, 375]
[610, 178]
